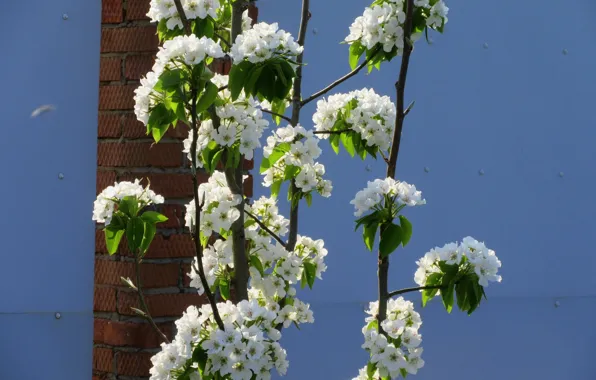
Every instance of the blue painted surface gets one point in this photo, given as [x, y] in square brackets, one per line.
[521, 111]
[47, 233]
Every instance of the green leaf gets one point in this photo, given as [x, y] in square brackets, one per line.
[447, 296]
[334, 141]
[215, 159]
[406, 228]
[148, 235]
[153, 217]
[200, 356]
[290, 172]
[368, 234]
[461, 291]
[203, 27]
[368, 219]
[275, 186]
[346, 140]
[224, 288]
[207, 97]
[251, 80]
[113, 237]
[238, 76]
[129, 206]
[265, 165]
[432, 280]
[356, 50]
[135, 229]
[374, 324]
[308, 197]
[370, 370]
[256, 262]
[403, 372]
[391, 237]
[279, 107]
[303, 280]
[311, 270]
[159, 121]
[170, 79]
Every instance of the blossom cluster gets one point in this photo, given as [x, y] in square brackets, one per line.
[193, 9]
[471, 256]
[302, 152]
[106, 201]
[400, 349]
[218, 210]
[177, 53]
[241, 121]
[373, 195]
[262, 42]
[245, 349]
[363, 111]
[383, 23]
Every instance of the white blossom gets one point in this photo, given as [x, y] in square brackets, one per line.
[104, 205]
[262, 42]
[373, 195]
[193, 9]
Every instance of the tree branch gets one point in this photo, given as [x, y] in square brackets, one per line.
[276, 114]
[142, 302]
[400, 85]
[265, 228]
[183, 18]
[226, 42]
[408, 290]
[331, 132]
[340, 80]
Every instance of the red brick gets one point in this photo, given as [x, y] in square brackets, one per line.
[134, 129]
[248, 164]
[137, 9]
[175, 214]
[104, 179]
[109, 125]
[117, 97]
[137, 66]
[133, 39]
[248, 186]
[160, 305]
[104, 299]
[253, 12]
[169, 185]
[102, 359]
[111, 11]
[152, 275]
[138, 335]
[139, 155]
[110, 68]
[185, 278]
[134, 363]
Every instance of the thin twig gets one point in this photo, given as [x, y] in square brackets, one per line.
[331, 132]
[142, 302]
[408, 290]
[183, 18]
[340, 80]
[265, 228]
[222, 88]
[228, 44]
[277, 114]
[400, 85]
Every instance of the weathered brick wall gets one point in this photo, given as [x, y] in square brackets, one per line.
[123, 343]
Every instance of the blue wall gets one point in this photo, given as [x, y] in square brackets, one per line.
[46, 229]
[517, 108]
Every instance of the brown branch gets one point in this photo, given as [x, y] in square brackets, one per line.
[183, 18]
[400, 85]
[296, 105]
[408, 290]
[228, 44]
[276, 114]
[143, 304]
[340, 80]
[265, 228]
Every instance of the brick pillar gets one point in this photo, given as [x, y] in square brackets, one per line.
[123, 343]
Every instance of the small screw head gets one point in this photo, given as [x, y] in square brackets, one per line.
[557, 304]
[565, 52]
[426, 169]
[561, 174]
[60, 176]
[58, 315]
[481, 172]
[368, 168]
[485, 45]
[65, 16]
